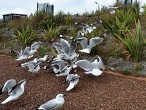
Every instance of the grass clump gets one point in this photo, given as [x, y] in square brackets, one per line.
[25, 36]
[134, 42]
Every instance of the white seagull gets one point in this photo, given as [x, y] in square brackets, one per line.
[89, 67]
[65, 71]
[34, 68]
[53, 104]
[15, 92]
[92, 42]
[34, 61]
[58, 65]
[72, 79]
[36, 45]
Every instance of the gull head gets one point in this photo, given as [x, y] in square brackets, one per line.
[59, 95]
[77, 75]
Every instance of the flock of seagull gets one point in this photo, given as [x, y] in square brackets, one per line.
[62, 65]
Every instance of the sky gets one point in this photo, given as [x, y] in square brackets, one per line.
[71, 6]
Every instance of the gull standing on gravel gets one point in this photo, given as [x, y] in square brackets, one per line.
[43, 59]
[34, 68]
[72, 79]
[28, 52]
[34, 61]
[9, 84]
[58, 65]
[15, 92]
[53, 104]
[92, 42]
[65, 71]
[20, 55]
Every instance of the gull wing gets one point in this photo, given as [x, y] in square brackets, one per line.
[9, 85]
[31, 66]
[71, 86]
[65, 45]
[83, 41]
[84, 64]
[35, 45]
[16, 88]
[20, 53]
[58, 47]
[69, 77]
[26, 51]
[95, 41]
[50, 105]
[60, 64]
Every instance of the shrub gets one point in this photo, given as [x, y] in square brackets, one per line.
[134, 42]
[45, 24]
[120, 23]
[51, 33]
[25, 36]
[60, 18]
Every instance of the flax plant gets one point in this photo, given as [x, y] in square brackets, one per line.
[51, 33]
[25, 36]
[134, 42]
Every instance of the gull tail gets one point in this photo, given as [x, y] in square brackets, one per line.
[96, 72]
[85, 50]
[71, 86]
[10, 98]
[1, 92]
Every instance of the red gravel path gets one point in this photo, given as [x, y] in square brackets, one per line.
[110, 91]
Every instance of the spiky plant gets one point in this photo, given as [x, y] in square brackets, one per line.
[134, 42]
[25, 36]
[51, 34]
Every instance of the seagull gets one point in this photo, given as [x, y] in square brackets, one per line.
[28, 52]
[58, 65]
[8, 86]
[68, 50]
[53, 104]
[89, 67]
[34, 68]
[43, 59]
[100, 63]
[58, 48]
[20, 55]
[36, 45]
[65, 71]
[72, 79]
[26, 63]
[92, 42]
[15, 92]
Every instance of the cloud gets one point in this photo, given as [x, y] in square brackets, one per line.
[72, 6]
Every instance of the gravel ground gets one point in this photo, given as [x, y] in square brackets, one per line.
[110, 91]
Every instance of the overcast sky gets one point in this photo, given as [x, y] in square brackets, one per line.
[72, 6]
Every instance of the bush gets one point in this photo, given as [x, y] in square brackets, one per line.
[134, 42]
[51, 33]
[25, 36]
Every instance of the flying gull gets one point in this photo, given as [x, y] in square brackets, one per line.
[90, 67]
[92, 42]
